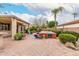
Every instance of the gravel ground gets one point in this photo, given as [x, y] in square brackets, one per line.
[35, 47]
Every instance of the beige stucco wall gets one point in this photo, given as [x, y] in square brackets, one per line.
[14, 22]
[72, 27]
[68, 26]
[14, 26]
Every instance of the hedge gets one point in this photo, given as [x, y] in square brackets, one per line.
[18, 36]
[67, 32]
[64, 38]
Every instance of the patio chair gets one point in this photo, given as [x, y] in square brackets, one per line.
[37, 35]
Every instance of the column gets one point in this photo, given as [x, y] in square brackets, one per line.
[14, 27]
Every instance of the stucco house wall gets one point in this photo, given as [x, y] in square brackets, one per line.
[16, 25]
[70, 26]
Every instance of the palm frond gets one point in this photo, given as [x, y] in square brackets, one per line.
[57, 10]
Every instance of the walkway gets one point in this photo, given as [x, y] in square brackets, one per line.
[36, 47]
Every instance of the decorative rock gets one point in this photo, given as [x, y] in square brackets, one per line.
[70, 45]
[77, 47]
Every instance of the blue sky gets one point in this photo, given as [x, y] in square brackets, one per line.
[16, 8]
[41, 9]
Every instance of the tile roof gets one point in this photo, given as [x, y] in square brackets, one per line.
[69, 23]
[13, 16]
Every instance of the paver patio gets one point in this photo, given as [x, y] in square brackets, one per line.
[35, 47]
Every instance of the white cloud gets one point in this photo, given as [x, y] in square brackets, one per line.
[25, 17]
[29, 18]
[42, 5]
[44, 10]
[48, 6]
[33, 6]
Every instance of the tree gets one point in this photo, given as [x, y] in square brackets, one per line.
[52, 24]
[55, 12]
[39, 20]
[74, 15]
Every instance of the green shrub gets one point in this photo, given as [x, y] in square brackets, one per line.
[67, 32]
[58, 32]
[52, 24]
[26, 30]
[18, 36]
[64, 38]
[33, 29]
[73, 33]
[38, 29]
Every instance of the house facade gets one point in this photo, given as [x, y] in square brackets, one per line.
[12, 25]
[70, 26]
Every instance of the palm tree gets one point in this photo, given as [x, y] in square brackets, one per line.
[74, 15]
[55, 12]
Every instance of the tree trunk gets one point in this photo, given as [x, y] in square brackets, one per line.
[74, 17]
[55, 22]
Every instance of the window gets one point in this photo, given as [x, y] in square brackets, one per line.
[20, 28]
[4, 26]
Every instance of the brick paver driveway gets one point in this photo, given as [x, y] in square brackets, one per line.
[36, 47]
